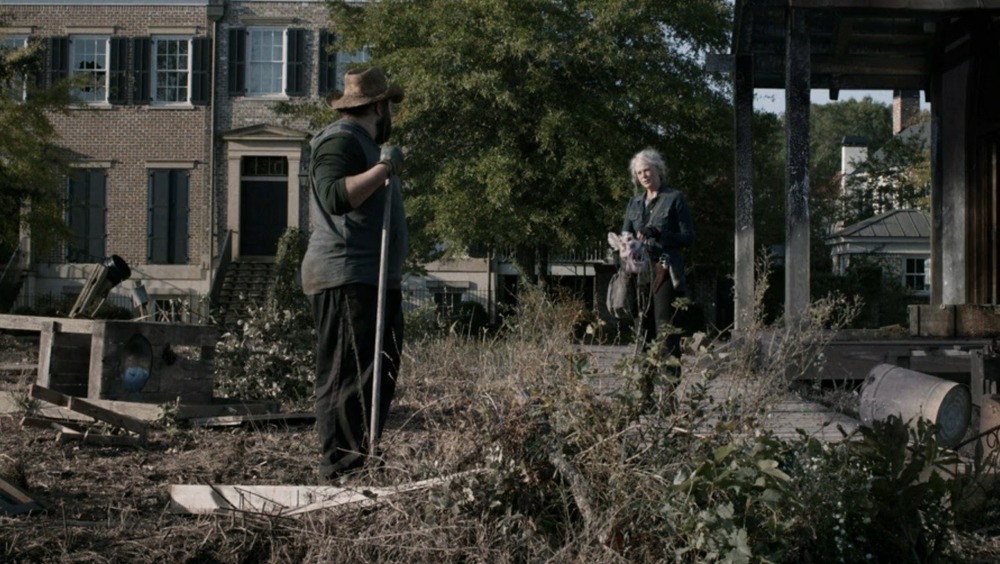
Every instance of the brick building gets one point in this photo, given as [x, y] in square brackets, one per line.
[185, 169]
[182, 164]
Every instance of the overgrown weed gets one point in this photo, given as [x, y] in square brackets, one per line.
[569, 471]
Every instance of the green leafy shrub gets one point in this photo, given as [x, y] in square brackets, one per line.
[270, 353]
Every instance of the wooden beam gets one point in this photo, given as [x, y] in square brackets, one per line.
[797, 236]
[237, 420]
[91, 410]
[844, 30]
[870, 64]
[744, 282]
[284, 500]
[14, 501]
[61, 425]
[37, 323]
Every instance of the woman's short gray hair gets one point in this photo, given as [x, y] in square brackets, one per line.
[651, 157]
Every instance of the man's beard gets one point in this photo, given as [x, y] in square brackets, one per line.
[383, 127]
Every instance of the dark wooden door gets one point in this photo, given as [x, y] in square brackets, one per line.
[263, 216]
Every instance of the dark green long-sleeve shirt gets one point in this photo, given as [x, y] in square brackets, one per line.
[345, 242]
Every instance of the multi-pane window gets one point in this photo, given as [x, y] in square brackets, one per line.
[915, 274]
[169, 210]
[264, 166]
[171, 69]
[333, 64]
[448, 301]
[16, 87]
[89, 57]
[85, 214]
[265, 61]
[344, 62]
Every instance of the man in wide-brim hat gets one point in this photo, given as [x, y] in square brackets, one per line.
[340, 271]
[365, 86]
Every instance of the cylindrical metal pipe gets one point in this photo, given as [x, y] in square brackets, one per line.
[893, 390]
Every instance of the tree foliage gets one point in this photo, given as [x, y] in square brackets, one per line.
[31, 162]
[830, 123]
[897, 176]
[521, 115]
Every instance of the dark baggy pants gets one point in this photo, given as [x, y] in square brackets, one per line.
[345, 325]
[657, 314]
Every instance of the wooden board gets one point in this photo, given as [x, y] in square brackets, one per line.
[91, 410]
[14, 501]
[282, 500]
[61, 425]
[38, 323]
[237, 420]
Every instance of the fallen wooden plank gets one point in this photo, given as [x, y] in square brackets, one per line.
[60, 425]
[14, 501]
[18, 367]
[236, 420]
[282, 500]
[92, 438]
[373, 495]
[196, 411]
[87, 408]
[51, 396]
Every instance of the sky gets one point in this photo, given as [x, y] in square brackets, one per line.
[773, 100]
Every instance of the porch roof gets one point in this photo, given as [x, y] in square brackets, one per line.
[854, 44]
[910, 224]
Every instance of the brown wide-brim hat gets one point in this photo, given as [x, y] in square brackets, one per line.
[365, 86]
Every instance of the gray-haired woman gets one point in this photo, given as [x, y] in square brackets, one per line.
[660, 218]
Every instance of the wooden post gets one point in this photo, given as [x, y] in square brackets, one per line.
[46, 339]
[744, 264]
[797, 86]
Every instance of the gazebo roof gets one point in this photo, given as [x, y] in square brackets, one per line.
[908, 224]
[854, 44]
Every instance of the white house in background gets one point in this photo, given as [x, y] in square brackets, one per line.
[898, 240]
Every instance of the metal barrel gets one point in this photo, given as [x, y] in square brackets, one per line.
[893, 390]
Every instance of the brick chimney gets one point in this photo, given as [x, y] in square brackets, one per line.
[853, 151]
[905, 109]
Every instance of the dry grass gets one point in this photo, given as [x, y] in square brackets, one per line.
[568, 474]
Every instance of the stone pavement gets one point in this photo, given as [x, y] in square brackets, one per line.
[787, 417]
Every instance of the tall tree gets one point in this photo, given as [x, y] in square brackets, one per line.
[32, 164]
[896, 176]
[830, 123]
[521, 115]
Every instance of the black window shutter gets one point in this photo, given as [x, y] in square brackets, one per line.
[118, 87]
[141, 47]
[237, 61]
[58, 59]
[295, 82]
[201, 66]
[158, 229]
[96, 211]
[179, 217]
[327, 63]
[76, 215]
[36, 78]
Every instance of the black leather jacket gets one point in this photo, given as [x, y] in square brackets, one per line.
[666, 225]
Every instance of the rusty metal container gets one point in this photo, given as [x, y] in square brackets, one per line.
[893, 390]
